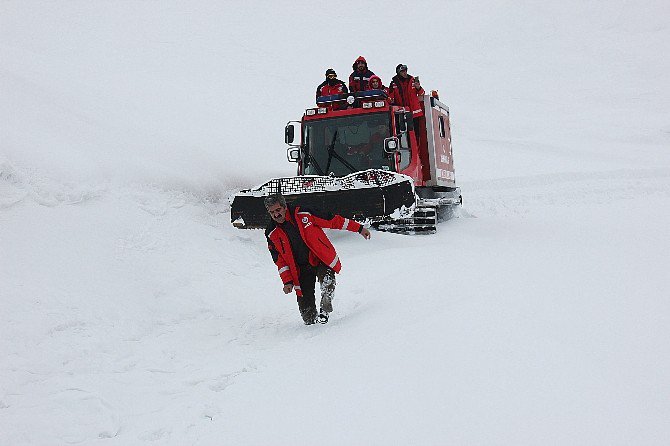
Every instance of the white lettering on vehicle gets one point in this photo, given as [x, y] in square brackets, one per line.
[445, 174]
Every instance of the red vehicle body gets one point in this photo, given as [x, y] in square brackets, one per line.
[366, 159]
[423, 151]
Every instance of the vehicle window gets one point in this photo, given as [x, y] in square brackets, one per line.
[348, 144]
[405, 152]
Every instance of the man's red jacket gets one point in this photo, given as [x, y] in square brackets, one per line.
[402, 92]
[326, 89]
[321, 250]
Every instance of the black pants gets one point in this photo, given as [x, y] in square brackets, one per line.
[308, 276]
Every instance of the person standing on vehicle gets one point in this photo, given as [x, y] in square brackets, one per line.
[303, 253]
[358, 80]
[332, 85]
[376, 84]
[405, 91]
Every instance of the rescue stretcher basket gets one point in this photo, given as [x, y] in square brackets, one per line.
[367, 197]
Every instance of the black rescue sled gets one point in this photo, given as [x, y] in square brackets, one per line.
[368, 196]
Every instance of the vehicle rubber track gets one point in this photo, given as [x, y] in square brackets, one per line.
[422, 221]
[427, 213]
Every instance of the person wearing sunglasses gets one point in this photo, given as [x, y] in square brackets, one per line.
[332, 85]
[405, 90]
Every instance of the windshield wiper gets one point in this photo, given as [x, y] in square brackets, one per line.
[309, 159]
[331, 150]
[332, 153]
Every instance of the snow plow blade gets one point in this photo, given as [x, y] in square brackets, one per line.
[367, 196]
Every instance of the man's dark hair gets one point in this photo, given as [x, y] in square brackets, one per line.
[273, 199]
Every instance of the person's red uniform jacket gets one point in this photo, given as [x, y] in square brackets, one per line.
[403, 93]
[321, 250]
[358, 80]
[328, 88]
[381, 86]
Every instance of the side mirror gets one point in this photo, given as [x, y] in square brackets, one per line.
[391, 145]
[293, 154]
[289, 134]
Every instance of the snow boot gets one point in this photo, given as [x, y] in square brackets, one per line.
[309, 316]
[327, 283]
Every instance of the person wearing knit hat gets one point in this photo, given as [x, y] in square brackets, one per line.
[405, 90]
[332, 85]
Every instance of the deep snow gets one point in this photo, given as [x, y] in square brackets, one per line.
[132, 312]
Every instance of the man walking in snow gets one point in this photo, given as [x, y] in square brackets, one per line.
[303, 253]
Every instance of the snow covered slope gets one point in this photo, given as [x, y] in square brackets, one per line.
[132, 312]
[140, 315]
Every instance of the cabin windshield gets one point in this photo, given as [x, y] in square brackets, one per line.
[345, 145]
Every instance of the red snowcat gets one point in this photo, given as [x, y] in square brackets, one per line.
[366, 159]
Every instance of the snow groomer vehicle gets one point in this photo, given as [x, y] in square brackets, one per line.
[364, 158]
